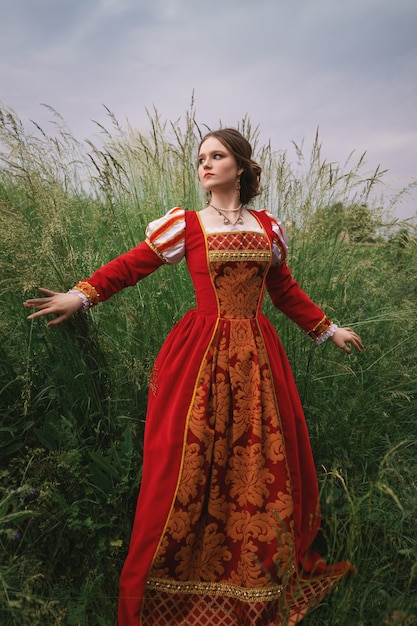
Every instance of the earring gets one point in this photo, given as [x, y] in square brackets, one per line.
[208, 197]
[238, 187]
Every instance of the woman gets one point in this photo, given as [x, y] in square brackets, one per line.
[228, 506]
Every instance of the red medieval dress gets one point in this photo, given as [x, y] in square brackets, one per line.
[228, 505]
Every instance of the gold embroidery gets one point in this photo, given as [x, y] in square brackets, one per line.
[320, 328]
[156, 561]
[233, 495]
[192, 475]
[239, 255]
[155, 249]
[199, 604]
[254, 594]
[238, 286]
[89, 291]
[239, 246]
[204, 556]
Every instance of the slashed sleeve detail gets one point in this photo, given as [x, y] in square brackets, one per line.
[164, 243]
[279, 240]
[166, 236]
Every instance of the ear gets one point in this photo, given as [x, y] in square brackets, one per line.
[240, 171]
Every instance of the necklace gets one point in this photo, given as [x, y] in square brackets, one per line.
[226, 220]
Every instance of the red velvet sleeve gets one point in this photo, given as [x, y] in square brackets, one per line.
[287, 295]
[125, 270]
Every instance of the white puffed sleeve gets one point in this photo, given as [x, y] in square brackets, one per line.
[166, 236]
[280, 240]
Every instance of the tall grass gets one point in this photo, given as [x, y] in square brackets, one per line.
[73, 398]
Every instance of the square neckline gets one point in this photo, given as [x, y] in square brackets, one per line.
[206, 233]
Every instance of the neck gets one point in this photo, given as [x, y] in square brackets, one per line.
[223, 210]
[230, 216]
[225, 202]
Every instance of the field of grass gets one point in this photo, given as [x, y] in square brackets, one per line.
[73, 398]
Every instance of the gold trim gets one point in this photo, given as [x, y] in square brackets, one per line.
[88, 290]
[184, 445]
[268, 238]
[320, 328]
[238, 255]
[155, 249]
[210, 273]
[244, 594]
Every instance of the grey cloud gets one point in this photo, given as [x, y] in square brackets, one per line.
[347, 67]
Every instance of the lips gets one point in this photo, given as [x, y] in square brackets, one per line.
[208, 174]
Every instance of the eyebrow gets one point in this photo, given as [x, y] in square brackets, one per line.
[219, 151]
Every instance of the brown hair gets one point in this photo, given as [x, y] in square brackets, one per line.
[241, 149]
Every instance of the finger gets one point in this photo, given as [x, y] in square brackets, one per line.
[37, 303]
[32, 316]
[45, 309]
[57, 320]
[354, 339]
[54, 322]
[357, 342]
[47, 292]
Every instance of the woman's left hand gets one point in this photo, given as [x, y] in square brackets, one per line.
[343, 336]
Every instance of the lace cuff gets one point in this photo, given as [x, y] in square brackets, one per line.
[326, 335]
[82, 296]
[87, 293]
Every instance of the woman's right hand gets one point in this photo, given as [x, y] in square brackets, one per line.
[63, 305]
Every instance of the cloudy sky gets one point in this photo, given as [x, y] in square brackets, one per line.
[348, 68]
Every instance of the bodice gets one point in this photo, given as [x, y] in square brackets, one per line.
[238, 263]
[229, 270]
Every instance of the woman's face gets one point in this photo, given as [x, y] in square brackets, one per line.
[217, 167]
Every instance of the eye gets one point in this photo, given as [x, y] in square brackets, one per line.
[218, 156]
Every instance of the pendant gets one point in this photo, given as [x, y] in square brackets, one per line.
[227, 222]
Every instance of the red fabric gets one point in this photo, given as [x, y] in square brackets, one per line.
[288, 297]
[177, 365]
[171, 391]
[125, 271]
